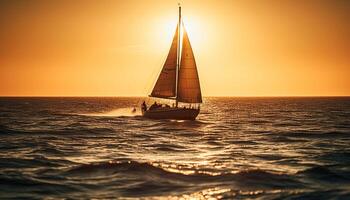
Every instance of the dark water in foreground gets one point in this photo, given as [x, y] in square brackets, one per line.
[264, 148]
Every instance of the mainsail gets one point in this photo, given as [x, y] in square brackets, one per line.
[166, 83]
[188, 89]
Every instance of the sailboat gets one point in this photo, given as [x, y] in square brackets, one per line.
[177, 81]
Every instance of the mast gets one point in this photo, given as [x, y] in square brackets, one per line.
[178, 54]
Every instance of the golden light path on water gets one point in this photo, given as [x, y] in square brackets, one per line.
[224, 193]
[201, 158]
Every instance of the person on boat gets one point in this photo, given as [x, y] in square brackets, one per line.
[154, 106]
[144, 106]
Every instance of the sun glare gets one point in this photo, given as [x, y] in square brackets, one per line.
[194, 30]
[165, 30]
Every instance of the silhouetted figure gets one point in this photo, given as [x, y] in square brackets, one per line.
[154, 106]
[144, 106]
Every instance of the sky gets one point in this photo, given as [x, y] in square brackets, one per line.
[117, 48]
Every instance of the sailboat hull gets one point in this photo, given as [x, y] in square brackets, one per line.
[172, 113]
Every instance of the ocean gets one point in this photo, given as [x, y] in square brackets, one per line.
[238, 148]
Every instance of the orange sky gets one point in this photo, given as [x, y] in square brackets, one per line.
[116, 48]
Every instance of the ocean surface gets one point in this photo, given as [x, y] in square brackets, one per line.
[238, 148]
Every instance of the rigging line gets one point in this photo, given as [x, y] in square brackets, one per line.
[152, 78]
[150, 81]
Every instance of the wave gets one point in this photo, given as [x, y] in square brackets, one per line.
[317, 134]
[256, 178]
[149, 171]
[25, 187]
[69, 130]
[328, 173]
[33, 162]
[167, 147]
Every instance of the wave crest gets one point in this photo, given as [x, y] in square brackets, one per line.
[149, 171]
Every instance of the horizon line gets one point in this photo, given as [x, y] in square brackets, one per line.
[209, 96]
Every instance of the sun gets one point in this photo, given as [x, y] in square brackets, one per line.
[194, 30]
[165, 29]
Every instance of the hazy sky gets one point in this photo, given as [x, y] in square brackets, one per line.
[117, 48]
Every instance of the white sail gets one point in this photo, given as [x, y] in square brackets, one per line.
[166, 83]
[188, 89]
